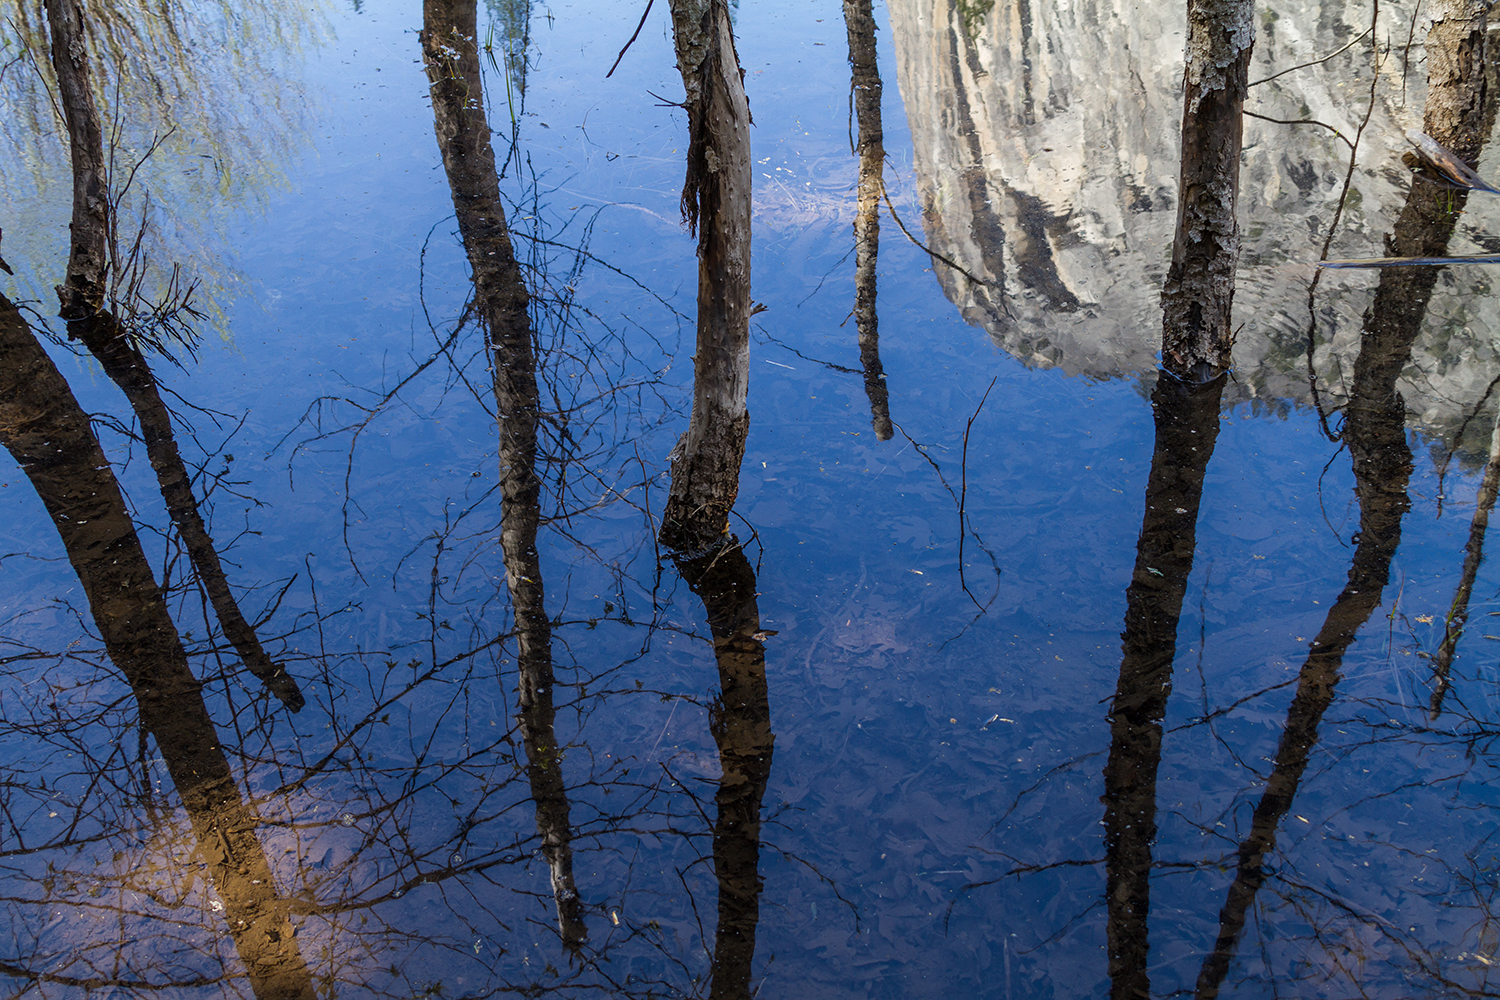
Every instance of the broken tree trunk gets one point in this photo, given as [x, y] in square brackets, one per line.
[450, 52]
[1198, 296]
[715, 202]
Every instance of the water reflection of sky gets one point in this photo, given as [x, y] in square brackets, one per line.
[932, 818]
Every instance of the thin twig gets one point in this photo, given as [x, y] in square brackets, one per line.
[963, 491]
[633, 37]
[1315, 62]
[1303, 121]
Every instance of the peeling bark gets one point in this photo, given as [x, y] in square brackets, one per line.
[50, 436]
[860, 24]
[1198, 297]
[715, 202]
[450, 52]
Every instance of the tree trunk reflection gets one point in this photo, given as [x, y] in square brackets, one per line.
[43, 427]
[450, 51]
[741, 722]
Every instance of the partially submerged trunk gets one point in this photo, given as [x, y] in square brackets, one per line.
[860, 24]
[1187, 426]
[451, 54]
[715, 202]
[1197, 300]
[82, 298]
[50, 436]
[741, 722]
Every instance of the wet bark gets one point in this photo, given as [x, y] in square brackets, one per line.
[715, 202]
[741, 723]
[860, 24]
[451, 55]
[1198, 297]
[82, 298]
[1187, 426]
[1375, 431]
[43, 427]
[1458, 612]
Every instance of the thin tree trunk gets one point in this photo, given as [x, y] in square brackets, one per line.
[860, 24]
[1197, 335]
[1376, 434]
[82, 299]
[715, 202]
[1187, 426]
[451, 54]
[741, 722]
[47, 432]
[1458, 612]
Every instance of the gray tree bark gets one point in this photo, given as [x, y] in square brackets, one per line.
[1198, 297]
[715, 202]
[450, 52]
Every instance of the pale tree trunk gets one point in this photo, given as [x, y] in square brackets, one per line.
[859, 21]
[715, 201]
[741, 722]
[83, 304]
[1198, 297]
[451, 54]
[50, 436]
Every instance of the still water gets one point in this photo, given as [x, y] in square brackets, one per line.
[1012, 696]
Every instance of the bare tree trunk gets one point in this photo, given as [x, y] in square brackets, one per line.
[860, 24]
[741, 722]
[1197, 335]
[451, 54]
[1187, 426]
[716, 202]
[82, 298]
[1458, 612]
[47, 432]
[1376, 435]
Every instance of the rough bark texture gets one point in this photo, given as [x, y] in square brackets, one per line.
[715, 200]
[82, 300]
[1375, 431]
[43, 427]
[450, 51]
[82, 294]
[1187, 426]
[1198, 298]
[860, 23]
[741, 722]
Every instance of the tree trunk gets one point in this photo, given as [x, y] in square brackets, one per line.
[741, 722]
[47, 432]
[860, 24]
[451, 54]
[83, 305]
[715, 202]
[1197, 335]
[1187, 426]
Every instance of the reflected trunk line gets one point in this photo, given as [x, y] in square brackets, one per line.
[450, 52]
[1375, 431]
[740, 720]
[128, 369]
[1187, 427]
[1198, 297]
[82, 300]
[1458, 613]
[43, 427]
[860, 25]
[716, 201]
[82, 294]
